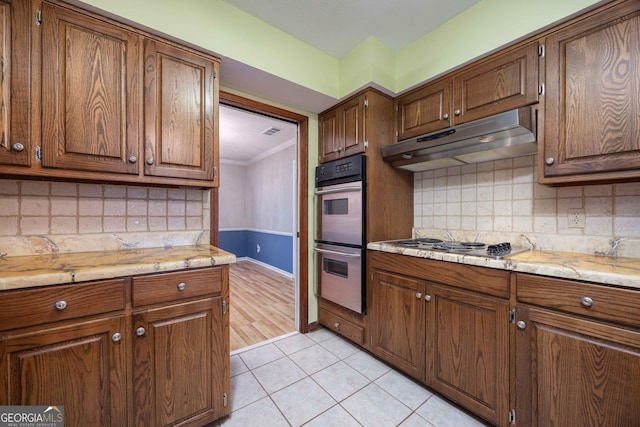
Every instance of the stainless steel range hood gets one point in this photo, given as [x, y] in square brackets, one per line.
[505, 135]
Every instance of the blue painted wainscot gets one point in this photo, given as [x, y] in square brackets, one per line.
[276, 249]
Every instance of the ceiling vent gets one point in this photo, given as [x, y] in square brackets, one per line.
[271, 131]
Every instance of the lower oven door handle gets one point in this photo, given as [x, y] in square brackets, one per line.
[338, 190]
[327, 251]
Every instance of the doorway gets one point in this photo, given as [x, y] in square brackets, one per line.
[299, 241]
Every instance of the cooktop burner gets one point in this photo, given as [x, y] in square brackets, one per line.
[495, 251]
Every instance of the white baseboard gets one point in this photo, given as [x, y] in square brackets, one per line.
[270, 267]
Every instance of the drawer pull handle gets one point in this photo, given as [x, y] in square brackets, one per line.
[116, 337]
[521, 325]
[336, 326]
[182, 286]
[427, 298]
[586, 301]
[140, 331]
[61, 305]
[418, 295]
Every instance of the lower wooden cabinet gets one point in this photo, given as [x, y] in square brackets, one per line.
[577, 353]
[81, 366]
[166, 363]
[442, 331]
[572, 371]
[178, 364]
[398, 326]
[512, 348]
[468, 350]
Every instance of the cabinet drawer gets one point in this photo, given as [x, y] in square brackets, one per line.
[341, 326]
[596, 301]
[29, 307]
[168, 287]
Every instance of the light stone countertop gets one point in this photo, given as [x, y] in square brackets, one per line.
[590, 268]
[39, 270]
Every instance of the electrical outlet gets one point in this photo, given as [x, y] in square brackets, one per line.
[575, 218]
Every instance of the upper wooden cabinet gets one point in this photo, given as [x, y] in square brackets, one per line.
[343, 129]
[592, 102]
[90, 95]
[89, 98]
[180, 112]
[499, 83]
[15, 92]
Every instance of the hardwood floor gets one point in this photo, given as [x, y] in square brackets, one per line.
[262, 304]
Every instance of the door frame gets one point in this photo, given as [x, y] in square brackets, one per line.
[302, 161]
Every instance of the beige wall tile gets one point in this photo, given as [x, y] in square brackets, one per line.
[30, 225]
[64, 225]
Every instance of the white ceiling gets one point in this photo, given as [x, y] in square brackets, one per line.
[242, 140]
[332, 26]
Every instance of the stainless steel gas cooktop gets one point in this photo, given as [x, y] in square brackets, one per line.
[494, 251]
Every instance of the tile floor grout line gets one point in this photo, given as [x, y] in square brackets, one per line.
[342, 351]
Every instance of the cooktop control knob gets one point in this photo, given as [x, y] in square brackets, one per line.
[499, 249]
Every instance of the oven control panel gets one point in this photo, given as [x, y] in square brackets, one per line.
[339, 171]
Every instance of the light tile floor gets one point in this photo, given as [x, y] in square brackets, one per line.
[321, 380]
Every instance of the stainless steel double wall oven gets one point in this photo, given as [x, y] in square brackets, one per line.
[340, 244]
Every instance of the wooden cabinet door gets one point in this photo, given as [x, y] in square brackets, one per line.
[353, 126]
[15, 92]
[398, 322]
[329, 134]
[179, 363]
[592, 106]
[90, 93]
[426, 110]
[499, 84]
[80, 366]
[571, 371]
[180, 111]
[468, 351]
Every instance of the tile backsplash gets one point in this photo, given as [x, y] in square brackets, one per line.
[500, 200]
[55, 217]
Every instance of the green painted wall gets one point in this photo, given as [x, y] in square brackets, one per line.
[482, 28]
[230, 32]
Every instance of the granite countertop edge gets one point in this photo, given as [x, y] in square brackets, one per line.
[42, 270]
[617, 271]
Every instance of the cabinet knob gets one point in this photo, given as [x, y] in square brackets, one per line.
[445, 116]
[586, 302]
[61, 305]
[457, 112]
[150, 161]
[550, 160]
[116, 337]
[520, 324]
[16, 146]
[336, 325]
[140, 331]
[418, 295]
[133, 159]
[427, 298]
[182, 286]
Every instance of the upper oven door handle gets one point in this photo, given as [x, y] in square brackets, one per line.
[330, 252]
[338, 190]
